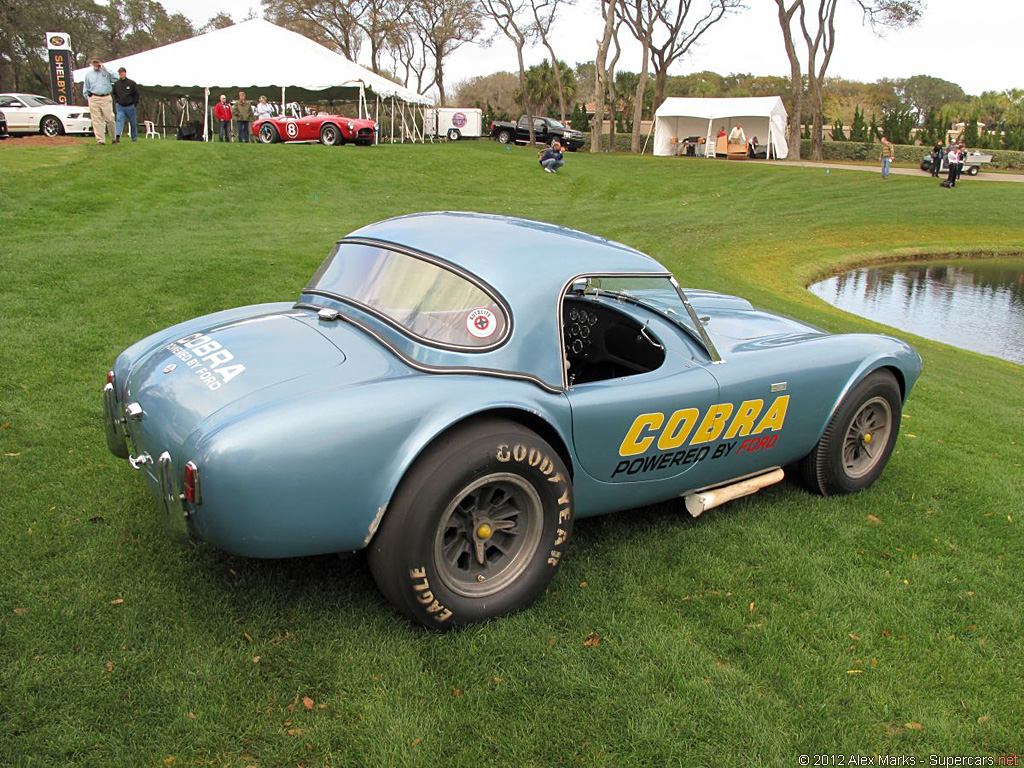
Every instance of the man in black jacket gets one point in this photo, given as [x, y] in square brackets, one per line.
[126, 97]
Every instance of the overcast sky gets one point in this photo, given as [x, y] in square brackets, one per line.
[984, 56]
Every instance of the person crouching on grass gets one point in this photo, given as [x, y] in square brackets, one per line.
[551, 158]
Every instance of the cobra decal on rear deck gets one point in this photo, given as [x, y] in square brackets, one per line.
[207, 359]
[673, 433]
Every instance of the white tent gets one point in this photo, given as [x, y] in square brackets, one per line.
[761, 116]
[256, 54]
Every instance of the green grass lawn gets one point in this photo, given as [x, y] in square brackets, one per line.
[784, 624]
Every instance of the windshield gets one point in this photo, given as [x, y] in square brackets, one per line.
[38, 101]
[658, 294]
[427, 300]
[554, 123]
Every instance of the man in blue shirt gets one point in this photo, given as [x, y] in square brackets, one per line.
[98, 86]
[551, 158]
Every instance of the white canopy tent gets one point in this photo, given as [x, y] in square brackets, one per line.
[761, 116]
[256, 54]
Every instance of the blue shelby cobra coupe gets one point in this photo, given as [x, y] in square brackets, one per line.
[451, 390]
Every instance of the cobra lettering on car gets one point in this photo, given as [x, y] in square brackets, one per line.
[207, 358]
[673, 432]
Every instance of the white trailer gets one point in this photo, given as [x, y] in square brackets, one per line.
[454, 122]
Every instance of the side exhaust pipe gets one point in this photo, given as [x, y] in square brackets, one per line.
[701, 501]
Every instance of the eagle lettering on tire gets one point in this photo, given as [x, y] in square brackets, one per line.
[477, 528]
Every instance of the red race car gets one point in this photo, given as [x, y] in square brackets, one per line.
[327, 129]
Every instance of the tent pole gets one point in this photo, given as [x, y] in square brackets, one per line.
[206, 114]
[392, 119]
[284, 110]
[163, 118]
[376, 121]
[707, 141]
[649, 132]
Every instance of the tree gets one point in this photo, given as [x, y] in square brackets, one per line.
[497, 94]
[897, 125]
[508, 17]
[858, 128]
[924, 93]
[544, 13]
[819, 36]
[838, 132]
[601, 73]
[379, 20]
[443, 26]
[219, 20]
[542, 84]
[666, 30]
[330, 23]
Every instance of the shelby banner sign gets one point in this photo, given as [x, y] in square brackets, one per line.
[59, 46]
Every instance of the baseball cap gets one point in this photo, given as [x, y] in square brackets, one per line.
[95, 58]
[121, 69]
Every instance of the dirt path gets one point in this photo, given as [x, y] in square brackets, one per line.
[1017, 177]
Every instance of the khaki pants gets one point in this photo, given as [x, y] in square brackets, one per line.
[101, 110]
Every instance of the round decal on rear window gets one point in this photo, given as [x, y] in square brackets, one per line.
[481, 323]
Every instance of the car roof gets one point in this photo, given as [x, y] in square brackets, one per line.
[506, 251]
[529, 263]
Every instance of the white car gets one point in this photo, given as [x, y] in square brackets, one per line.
[30, 113]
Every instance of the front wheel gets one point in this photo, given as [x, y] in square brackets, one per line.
[268, 134]
[330, 135]
[972, 170]
[453, 134]
[477, 529]
[50, 126]
[505, 137]
[858, 440]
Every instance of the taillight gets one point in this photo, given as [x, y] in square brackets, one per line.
[190, 483]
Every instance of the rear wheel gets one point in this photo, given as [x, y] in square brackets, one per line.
[268, 134]
[477, 529]
[858, 440]
[50, 126]
[330, 135]
[454, 134]
[972, 170]
[505, 137]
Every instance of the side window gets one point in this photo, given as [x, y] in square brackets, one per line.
[523, 122]
[603, 343]
[9, 101]
[540, 125]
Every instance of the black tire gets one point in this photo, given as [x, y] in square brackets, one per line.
[573, 149]
[51, 126]
[268, 134]
[330, 135]
[842, 461]
[442, 561]
[505, 137]
[972, 170]
[454, 134]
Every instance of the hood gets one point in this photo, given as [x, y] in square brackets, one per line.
[736, 319]
[185, 380]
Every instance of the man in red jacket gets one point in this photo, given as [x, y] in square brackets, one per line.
[222, 112]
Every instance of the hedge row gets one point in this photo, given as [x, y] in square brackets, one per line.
[905, 153]
[623, 141]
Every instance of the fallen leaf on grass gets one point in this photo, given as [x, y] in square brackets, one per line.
[583, 584]
[914, 726]
[874, 520]
[983, 719]
[592, 640]
[853, 637]
[255, 659]
[854, 671]
[885, 633]
[751, 607]
[247, 636]
[118, 601]
[456, 691]
[874, 662]
[20, 611]
[191, 715]
[110, 666]
[12, 455]
[552, 640]
[321, 706]
[307, 702]
[417, 741]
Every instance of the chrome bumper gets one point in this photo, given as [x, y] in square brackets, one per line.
[114, 420]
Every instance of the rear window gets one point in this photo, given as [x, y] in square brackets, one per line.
[421, 297]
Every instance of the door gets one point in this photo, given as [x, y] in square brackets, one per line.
[652, 425]
[16, 113]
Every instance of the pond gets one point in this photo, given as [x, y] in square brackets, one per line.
[976, 305]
